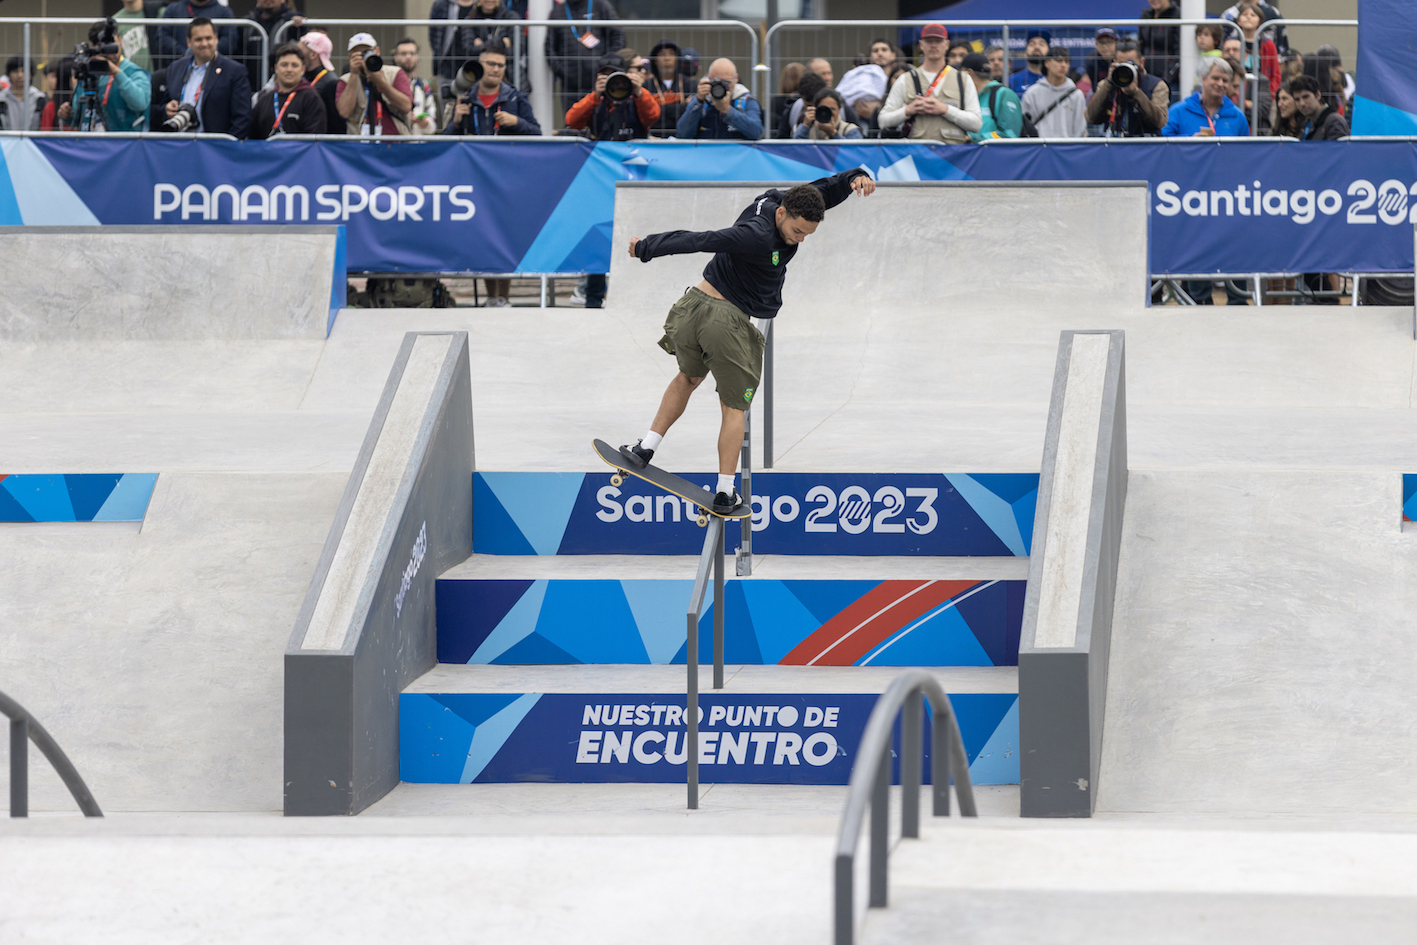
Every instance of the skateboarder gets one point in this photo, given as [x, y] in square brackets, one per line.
[709, 329]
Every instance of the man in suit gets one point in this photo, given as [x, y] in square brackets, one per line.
[218, 87]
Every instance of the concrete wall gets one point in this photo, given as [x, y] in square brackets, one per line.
[163, 283]
[367, 627]
[1072, 579]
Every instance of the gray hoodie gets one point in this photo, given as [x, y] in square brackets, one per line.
[18, 115]
[1067, 119]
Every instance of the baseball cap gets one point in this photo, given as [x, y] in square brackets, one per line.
[976, 62]
[1047, 36]
[1106, 31]
[361, 39]
[322, 47]
[934, 30]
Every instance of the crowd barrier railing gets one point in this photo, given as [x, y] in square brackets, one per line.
[27, 25]
[1272, 27]
[778, 50]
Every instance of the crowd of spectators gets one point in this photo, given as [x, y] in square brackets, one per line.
[198, 77]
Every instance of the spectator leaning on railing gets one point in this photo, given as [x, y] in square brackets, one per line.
[721, 107]
[1056, 106]
[373, 102]
[217, 88]
[1000, 112]
[294, 107]
[1208, 112]
[936, 101]
[493, 106]
[21, 104]
[171, 44]
[1134, 108]
[124, 94]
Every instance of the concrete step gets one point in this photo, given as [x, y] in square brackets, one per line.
[591, 724]
[622, 609]
[575, 513]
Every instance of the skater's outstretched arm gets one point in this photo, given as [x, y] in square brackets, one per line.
[753, 234]
[838, 187]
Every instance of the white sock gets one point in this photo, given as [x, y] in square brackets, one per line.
[725, 483]
[651, 440]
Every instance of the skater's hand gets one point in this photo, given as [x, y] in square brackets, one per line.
[633, 241]
[863, 185]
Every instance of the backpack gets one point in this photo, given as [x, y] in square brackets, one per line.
[904, 128]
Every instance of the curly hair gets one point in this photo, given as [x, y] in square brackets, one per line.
[805, 202]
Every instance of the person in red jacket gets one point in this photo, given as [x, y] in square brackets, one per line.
[1265, 59]
[619, 108]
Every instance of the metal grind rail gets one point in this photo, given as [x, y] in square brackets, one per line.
[710, 558]
[871, 784]
[23, 730]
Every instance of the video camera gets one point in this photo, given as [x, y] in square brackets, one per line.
[88, 59]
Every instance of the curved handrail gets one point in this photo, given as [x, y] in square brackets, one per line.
[22, 726]
[870, 781]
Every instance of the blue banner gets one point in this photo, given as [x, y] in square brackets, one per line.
[431, 205]
[1387, 61]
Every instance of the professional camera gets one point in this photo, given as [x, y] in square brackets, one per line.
[89, 62]
[1124, 74]
[184, 120]
[373, 62]
[826, 115]
[618, 86]
[720, 88]
[467, 77]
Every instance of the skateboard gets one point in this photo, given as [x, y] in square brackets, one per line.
[674, 485]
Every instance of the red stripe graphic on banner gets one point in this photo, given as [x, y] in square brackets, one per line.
[868, 621]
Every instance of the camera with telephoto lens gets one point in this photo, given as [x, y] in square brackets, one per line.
[720, 88]
[467, 77]
[825, 115]
[1124, 74]
[183, 120]
[618, 86]
[373, 62]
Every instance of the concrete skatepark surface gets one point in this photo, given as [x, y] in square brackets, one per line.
[1259, 679]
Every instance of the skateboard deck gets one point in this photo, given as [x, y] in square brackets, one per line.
[674, 485]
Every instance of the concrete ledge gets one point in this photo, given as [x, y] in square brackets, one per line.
[170, 282]
[367, 627]
[1072, 579]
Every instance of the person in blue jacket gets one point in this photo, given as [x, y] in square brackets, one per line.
[733, 113]
[1208, 112]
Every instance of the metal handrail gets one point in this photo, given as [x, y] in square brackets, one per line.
[27, 21]
[1255, 77]
[871, 779]
[24, 728]
[711, 555]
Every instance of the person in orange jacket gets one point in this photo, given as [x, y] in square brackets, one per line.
[619, 108]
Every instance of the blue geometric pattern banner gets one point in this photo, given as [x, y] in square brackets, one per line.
[983, 514]
[483, 205]
[1409, 497]
[82, 497]
[467, 738]
[766, 622]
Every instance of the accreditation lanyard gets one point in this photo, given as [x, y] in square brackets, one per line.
[589, 15]
[281, 110]
[476, 125]
[1209, 121]
[938, 76]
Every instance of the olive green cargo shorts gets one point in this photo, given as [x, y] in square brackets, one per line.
[712, 336]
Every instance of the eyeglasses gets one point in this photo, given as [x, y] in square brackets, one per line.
[638, 68]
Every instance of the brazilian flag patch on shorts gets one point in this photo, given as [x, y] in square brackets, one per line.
[748, 394]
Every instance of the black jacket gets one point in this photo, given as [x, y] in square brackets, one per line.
[480, 121]
[567, 56]
[452, 46]
[326, 85]
[225, 104]
[1328, 125]
[750, 257]
[303, 116]
[249, 43]
[1161, 45]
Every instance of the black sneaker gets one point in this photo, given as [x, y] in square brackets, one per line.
[724, 504]
[637, 454]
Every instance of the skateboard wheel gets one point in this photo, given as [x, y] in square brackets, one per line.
[616, 479]
[702, 520]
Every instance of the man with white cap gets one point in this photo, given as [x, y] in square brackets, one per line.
[373, 101]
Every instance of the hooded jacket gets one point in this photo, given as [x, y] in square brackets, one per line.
[22, 112]
[304, 115]
[1189, 116]
[743, 120]
[1057, 111]
[482, 121]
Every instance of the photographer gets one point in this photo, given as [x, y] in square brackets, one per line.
[493, 106]
[215, 90]
[111, 92]
[822, 121]
[295, 107]
[21, 105]
[1130, 102]
[619, 108]
[373, 97]
[721, 108]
